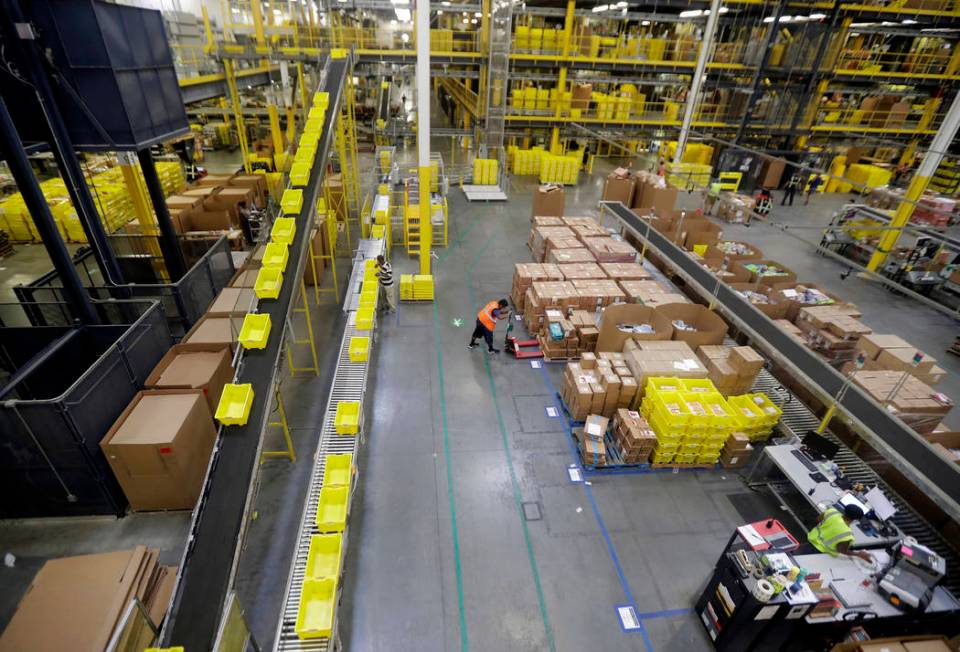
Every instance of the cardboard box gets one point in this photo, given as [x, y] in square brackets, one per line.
[609, 250]
[181, 202]
[673, 358]
[766, 272]
[595, 427]
[703, 325]
[256, 182]
[874, 343]
[570, 255]
[901, 359]
[619, 186]
[745, 361]
[548, 200]
[547, 220]
[205, 220]
[881, 647]
[762, 298]
[160, 447]
[207, 367]
[626, 271]
[795, 296]
[580, 95]
[621, 322]
[213, 180]
[215, 330]
[233, 301]
[734, 250]
[938, 645]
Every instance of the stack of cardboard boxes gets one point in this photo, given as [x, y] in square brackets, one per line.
[537, 242]
[609, 250]
[652, 358]
[592, 440]
[621, 272]
[733, 370]
[597, 293]
[576, 252]
[893, 353]
[580, 271]
[570, 336]
[633, 437]
[917, 404]
[525, 274]
[598, 384]
[737, 451]
[76, 603]
[541, 295]
[650, 293]
[832, 331]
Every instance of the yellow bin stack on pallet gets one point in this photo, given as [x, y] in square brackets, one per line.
[687, 176]
[559, 169]
[485, 171]
[756, 414]
[525, 162]
[690, 418]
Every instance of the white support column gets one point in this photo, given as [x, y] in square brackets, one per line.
[285, 84]
[705, 47]
[423, 130]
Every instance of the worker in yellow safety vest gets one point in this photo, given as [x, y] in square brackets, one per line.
[833, 535]
[487, 322]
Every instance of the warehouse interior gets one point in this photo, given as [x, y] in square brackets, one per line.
[669, 363]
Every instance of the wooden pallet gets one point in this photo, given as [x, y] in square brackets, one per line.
[706, 466]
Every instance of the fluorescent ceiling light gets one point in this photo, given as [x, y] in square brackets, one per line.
[600, 8]
[445, 3]
[393, 22]
[404, 37]
[473, 20]
[644, 22]
[621, 4]
[691, 13]
[478, 14]
[817, 16]
[466, 21]
[908, 22]
[403, 15]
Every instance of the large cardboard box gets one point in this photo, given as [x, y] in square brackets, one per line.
[902, 360]
[180, 202]
[580, 96]
[207, 367]
[874, 343]
[761, 297]
[233, 301]
[205, 220]
[578, 254]
[647, 359]
[795, 296]
[767, 272]
[159, 448]
[660, 196]
[215, 330]
[625, 321]
[213, 180]
[694, 324]
[201, 192]
[619, 186]
[733, 250]
[548, 200]
[609, 250]
[257, 182]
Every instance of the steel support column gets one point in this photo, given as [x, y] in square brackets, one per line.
[761, 67]
[169, 243]
[693, 95]
[16, 158]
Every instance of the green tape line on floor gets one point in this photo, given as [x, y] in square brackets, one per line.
[506, 451]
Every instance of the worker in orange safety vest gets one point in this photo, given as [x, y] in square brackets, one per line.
[487, 322]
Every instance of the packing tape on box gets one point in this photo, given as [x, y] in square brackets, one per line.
[763, 591]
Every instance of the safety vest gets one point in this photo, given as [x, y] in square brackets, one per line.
[486, 315]
[830, 532]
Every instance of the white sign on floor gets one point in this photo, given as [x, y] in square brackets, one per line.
[536, 364]
[628, 618]
[552, 412]
[575, 475]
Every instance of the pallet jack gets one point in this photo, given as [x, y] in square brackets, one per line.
[520, 349]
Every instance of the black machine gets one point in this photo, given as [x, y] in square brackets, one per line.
[914, 571]
[819, 447]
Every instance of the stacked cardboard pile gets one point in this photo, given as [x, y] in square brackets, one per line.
[791, 329]
[546, 220]
[732, 370]
[597, 293]
[559, 337]
[647, 359]
[75, 603]
[580, 271]
[832, 331]
[626, 272]
[619, 186]
[575, 254]
[598, 384]
[794, 296]
[650, 293]
[694, 324]
[560, 245]
[737, 451]
[585, 221]
[525, 274]
[892, 353]
[762, 298]
[585, 323]
[652, 191]
[593, 447]
[917, 404]
[632, 436]
[541, 295]
[537, 242]
[588, 228]
[608, 250]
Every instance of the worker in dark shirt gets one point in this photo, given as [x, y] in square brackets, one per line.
[487, 322]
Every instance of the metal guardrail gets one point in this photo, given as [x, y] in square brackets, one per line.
[914, 456]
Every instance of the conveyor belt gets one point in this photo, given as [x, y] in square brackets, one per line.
[206, 572]
[349, 384]
[935, 475]
[797, 419]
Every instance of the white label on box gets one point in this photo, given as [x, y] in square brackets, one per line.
[536, 364]
[575, 475]
[593, 429]
[766, 613]
[628, 617]
[518, 317]
[790, 293]
[552, 412]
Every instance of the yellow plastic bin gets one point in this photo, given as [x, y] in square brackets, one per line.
[323, 558]
[332, 509]
[365, 318]
[300, 174]
[359, 349]
[268, 283]
[276, 254]
[234, 406]
[255, 331]
[337, 470]
[347, 418]
[292, 201]
[318, 599]
[283, 230]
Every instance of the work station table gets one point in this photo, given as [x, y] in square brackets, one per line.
[816, 482]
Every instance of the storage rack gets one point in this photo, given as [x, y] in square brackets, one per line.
[349, 384]
[206, 571]
[935, 475]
